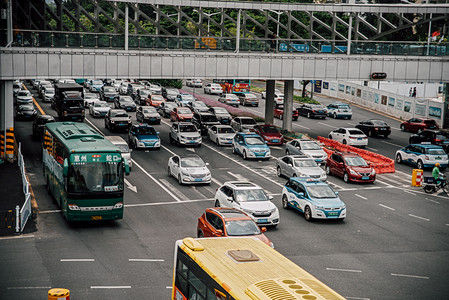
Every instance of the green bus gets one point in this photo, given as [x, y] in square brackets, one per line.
[84, 172]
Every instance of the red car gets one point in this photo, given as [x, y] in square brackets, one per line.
[155, 100]
[270, 134]
[223, 221]
[418, 124]
[181, 114]
[350, 166]
[279, 113]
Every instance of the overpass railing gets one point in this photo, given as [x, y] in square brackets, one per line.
[59, 39]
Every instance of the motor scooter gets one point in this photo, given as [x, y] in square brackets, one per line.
[430, 186]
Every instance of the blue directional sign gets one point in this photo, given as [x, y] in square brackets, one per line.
[296, 47]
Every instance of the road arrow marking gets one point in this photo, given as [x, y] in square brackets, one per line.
[130, 186]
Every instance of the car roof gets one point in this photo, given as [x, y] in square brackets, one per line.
[248, 134]
[183, 123]
[427, 146]
[242, 185]
[229, 213]
[298, 156]
[48, 117]
[346, 154]
[142, 125]
[189, 156]
[308, 181]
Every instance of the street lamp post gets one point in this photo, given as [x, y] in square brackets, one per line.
[208, 18]
[279, 13]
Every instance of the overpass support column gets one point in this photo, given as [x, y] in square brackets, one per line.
[288, 105]
[269, 101]
[6, 121]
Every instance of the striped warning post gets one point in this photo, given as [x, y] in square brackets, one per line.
[9, 146]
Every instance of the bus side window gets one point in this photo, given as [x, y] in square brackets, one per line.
[182, 277]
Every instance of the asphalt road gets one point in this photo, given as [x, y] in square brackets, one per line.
[393, 244]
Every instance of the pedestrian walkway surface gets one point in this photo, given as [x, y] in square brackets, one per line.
[11, 194]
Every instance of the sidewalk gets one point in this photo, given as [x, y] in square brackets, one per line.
[11, 194]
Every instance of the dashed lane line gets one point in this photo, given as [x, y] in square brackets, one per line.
[387, 207]
[145, 260]
[344, 270]
[372, 149]
[28, 287]
[393, 144]
[364, 198]
[409, 276]
[173, 189]
[77, 260]
[324, 124]
[418, 217]
[110, 287]
[24, 236]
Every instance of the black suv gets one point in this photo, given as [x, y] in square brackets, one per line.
[435, 137]
[117, 119]
[312, 111]
[203, 120]
[39, 125]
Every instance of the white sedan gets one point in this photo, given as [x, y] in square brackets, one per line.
[349, 136]
[221, 134]
[189, 169]
[213, 88]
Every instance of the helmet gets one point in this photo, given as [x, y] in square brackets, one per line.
[437, 164]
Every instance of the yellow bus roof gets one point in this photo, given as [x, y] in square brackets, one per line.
[249, 269]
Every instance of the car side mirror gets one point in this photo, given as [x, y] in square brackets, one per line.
[65, 168]
[301, 194]
[336, 193]
[270, 197]
[126, 166]
[207, 164]
[130, 150]
[219, 232]
[230, 199]
[263, 229]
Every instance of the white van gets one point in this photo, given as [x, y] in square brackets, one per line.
[123, 147]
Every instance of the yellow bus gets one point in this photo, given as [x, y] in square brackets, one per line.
[240, 268]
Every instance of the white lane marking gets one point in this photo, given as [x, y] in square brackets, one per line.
[403, 173]
[275, 147]
[352, 124]
[156, 181]
[76, 259]
[130, 186]
[372, 149]
[237, 176]
[410, 276]
[387, 207]
[216, 181]
[357, 298]
[173, 189]
[409, 192]
[165, 148]
[400, 146]
[364, 198]
[447, 224]
[434, 201]
[418, 217]
[300, 126]
[27, 287]
[383, 182]
[165, 203]
[146, 259]
[190, 149]
[335, 185]
[49, 211]
[324, 124]
[344, 270]
[110, 287]
[17, 237]
[169, 287]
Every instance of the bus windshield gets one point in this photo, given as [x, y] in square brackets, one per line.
[95, 177]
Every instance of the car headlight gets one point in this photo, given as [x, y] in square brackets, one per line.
[353, 172]
[273, 210]
[319, 207]
[373, 172]
[112, 121]
[73, 207]
[118, 205]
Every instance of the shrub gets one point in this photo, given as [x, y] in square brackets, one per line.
[305, 100]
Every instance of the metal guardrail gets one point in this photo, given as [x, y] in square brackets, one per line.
[67, 39]
[24, 213]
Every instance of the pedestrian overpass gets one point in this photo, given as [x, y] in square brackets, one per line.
[218, 39]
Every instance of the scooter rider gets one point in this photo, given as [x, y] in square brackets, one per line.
[437, 176]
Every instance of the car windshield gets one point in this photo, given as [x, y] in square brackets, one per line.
[172, 92]
[310, 146]
[24, 93]
[187, 98]
[49, 91]
[119, 114]
[123, 148]
[145, 92]
[137, 87]
[157, 98]
[355, 161]
[442, 136]
[248, 121]
[252, 140]
[356, 132]
[26, 107]
[192, 162]
[89, 96]
[146, 131]
[435, 151]
[316, 106]
[321, 191]
[109, 90]
[95, 177]
[232, 96]
[184, 111]
[187, 128]
[250, 195]
[97, 82]
[342, 106]
[379, 123]
[241, 228]
[269, 129]
[100, 104]
[170, 105]
[430, 122]
[225, 130]
[149, 110]
[209, 118]
[305, 163]
[250, 96]
[199, 104]
[220, 110]
[125, 100]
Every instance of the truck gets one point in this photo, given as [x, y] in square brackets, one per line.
[69, 101]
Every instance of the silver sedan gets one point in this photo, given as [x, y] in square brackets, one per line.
[189, 169]
[221, 134]
[299, 166]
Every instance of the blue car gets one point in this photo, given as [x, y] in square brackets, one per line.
[95, 85]
[144, 136]
[250, 145]
[423, 155]
[314, 198]
[183, 99]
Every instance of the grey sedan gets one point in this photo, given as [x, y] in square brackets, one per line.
[299, 166]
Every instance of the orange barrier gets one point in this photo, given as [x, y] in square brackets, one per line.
[380, 163]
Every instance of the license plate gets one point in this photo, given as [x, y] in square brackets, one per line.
[359, 139]
[229, 142]
[192, 142]
[198, 179]
[437, 158]
[275, 141]
[74, 118]
[95, 218]
[262, 221]
[383, 128]
[365, 178]
[332, 213]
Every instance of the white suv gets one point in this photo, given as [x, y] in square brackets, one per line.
[250, 198]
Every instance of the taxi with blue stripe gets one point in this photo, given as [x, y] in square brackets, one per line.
[250, 145]
[422, 156]
[314, 198]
